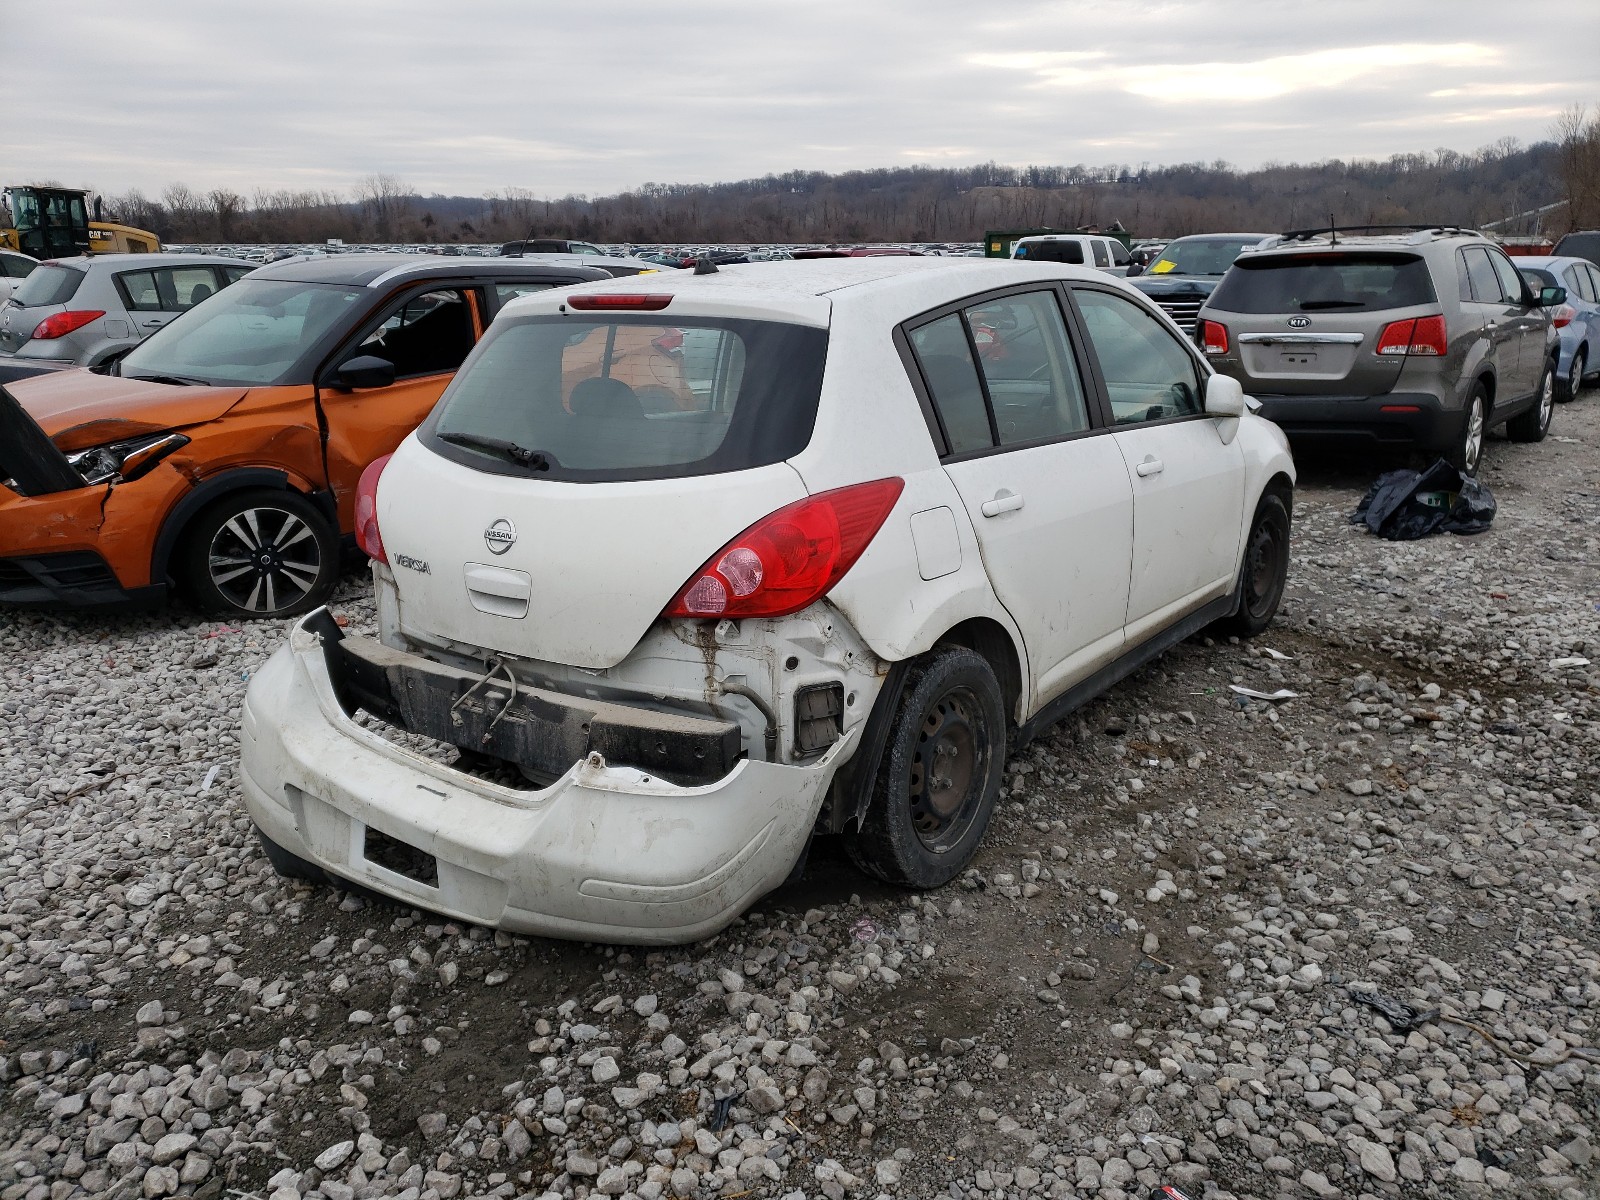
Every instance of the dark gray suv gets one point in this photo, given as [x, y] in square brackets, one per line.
[1421, 338]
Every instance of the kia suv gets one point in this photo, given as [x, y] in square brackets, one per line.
[644, 653]
[1382, 338]
[221, 455]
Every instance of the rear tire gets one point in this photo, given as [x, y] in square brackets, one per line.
[1465, 453]
[1264, 573]
[939, 777]
[1569, 387]
[1531, 426]
[260, 553]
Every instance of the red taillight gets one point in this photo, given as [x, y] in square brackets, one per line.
[367, 535]
[631, 301]
[789, 559]
[1419, 335]
[62, 323]
[1213, 337]
[1563, 315]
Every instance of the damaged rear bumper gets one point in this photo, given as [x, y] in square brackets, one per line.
[609, 852]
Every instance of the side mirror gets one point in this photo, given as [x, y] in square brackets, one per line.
[1134, 269]
[1225, 398]
[1550, 297]
[364, 371]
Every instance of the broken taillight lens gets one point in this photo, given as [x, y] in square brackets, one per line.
[791, 558]
[367, 535]
[62, 323]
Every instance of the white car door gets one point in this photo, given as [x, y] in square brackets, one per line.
[1047, 493]
[1188, 484]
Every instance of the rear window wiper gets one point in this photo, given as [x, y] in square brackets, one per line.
[538, 460]
[180, 380]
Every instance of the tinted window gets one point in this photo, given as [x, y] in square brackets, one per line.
[1061, 252]
[1028, 368]
[1594, 282]
[1324, 282]
[1101, 258]
[1577, 280]
[17, 266]
[1119, 254]
[633, 398]
[48, 285]
[427, 335]
[1149, 375]
[952, 379]
[254, 332]
[1485, 283]
[1511, 285]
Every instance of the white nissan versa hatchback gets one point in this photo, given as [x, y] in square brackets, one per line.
[638, 645]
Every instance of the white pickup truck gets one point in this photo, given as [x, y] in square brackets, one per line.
[1079, 249]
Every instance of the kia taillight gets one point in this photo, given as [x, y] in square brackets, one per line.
[1213, 337]
[629, 301]
[1563, 315]
[62, 323]
[791, 558]
[367, 535]
[1418, 335]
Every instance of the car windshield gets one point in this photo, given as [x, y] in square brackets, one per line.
[251, 333]
[631, 397]
[1324, 283]
[1200, 256]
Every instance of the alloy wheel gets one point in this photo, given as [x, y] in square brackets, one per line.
[1547, 398]
[264, 559]
[1472, 446]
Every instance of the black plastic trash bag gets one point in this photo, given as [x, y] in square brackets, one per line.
[1405, 505]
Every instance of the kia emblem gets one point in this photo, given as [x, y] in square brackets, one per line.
[1299, 322]
[500, 536]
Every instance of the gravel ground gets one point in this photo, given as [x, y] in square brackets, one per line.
[1154, 974]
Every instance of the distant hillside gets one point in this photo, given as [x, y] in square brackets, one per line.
[897, 204]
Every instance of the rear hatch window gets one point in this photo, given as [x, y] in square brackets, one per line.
[47, 285]
[628, 398]
[1355, 282]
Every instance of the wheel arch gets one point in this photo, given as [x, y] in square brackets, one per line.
[210, 490]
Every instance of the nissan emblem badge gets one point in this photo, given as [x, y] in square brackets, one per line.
[500, 536]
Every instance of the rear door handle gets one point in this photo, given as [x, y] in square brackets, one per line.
[1005, 500]
[1149, 467]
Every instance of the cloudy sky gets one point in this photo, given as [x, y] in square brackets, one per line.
[470, 96]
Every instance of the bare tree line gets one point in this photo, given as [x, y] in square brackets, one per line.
[926, 203]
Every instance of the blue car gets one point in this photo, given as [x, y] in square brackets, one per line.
[1578, 320]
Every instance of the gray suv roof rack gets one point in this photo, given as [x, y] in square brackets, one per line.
[1302, 235]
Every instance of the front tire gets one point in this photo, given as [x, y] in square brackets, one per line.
[939, 777]
[1265, 571]
[260, 553]
[1531, 426]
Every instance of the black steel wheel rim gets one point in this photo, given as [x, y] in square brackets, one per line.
[1263, 570]
[948, 767]
[264, 560]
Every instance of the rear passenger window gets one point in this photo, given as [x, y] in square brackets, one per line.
[140, 291]
[1032, 380]
[1149, 375]
[952, 379]
[1485, 283]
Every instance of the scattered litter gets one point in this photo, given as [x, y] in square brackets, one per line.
[1499, 596]
[719, 1114]
[341, 620]
[1403, 1017]
[1571, 441]
[1277, 654]
[865, 930]
[1280, 694]
[211, 777]
[219, 632]
[1559, 663]
[1171, 1193]
[1405, 505]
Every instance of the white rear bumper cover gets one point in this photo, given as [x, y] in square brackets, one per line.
[608, 853]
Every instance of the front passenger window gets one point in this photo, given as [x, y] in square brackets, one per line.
[1149, 375]
[429, 335]
[1511, 284]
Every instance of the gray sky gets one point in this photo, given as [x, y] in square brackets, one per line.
[475, 95]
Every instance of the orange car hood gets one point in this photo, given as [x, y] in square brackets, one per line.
[80, 408]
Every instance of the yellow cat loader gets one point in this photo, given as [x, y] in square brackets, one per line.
[49, 222]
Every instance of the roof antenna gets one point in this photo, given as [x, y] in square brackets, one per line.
[1333, 231]
[522, 248]
[704, 266]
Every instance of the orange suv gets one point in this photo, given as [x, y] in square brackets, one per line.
[222, 454]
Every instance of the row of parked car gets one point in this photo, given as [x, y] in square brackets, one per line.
[689, 566]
